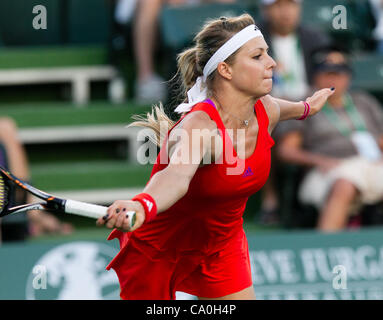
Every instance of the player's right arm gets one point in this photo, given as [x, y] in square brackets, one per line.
[189, 143]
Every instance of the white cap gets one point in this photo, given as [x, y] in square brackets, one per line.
[268, 2]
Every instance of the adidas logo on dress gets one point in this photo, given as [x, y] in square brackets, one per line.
[248, 172]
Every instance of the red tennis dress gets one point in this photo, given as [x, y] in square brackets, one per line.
[198, 245]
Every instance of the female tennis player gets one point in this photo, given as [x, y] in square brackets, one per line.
[189, 234]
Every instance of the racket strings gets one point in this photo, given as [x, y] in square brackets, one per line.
[3, 194]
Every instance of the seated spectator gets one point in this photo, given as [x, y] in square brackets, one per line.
[341, 147]
[291, 44]
[19, 227]
[377, 10]
[150, 87]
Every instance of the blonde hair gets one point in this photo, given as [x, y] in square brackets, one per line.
[190, 65]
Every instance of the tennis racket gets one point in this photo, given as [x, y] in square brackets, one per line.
[50, 203]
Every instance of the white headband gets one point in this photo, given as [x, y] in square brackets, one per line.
[198, 92]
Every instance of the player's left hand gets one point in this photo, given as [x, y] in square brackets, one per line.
[318, 99]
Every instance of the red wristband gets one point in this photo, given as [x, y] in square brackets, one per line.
[306, 112]
[149, 205]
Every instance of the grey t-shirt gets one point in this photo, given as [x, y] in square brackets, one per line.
[322, 137]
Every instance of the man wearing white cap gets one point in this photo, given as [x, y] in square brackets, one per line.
[291, 46]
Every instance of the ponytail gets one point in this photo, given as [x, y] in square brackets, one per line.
[188, 67]
[153, 121]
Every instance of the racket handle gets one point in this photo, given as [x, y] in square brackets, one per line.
[91, 210]
[85, 209]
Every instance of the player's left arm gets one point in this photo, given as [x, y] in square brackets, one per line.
[293, 110]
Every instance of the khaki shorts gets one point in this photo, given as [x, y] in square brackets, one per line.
[365, 175]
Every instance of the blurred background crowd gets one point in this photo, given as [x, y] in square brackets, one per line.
[68, 90]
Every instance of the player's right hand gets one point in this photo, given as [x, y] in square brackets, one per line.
[116, 215]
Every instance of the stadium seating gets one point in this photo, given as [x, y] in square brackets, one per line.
[69, 22]
[16, 23]
[48, 64]
[368, 72]
[72, 39]
[92, 27]
[76, 65]
[86, 154]
[79, 78]
[359, 22]
[179, 24]
[62, 140]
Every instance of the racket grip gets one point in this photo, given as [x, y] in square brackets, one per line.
[85, 209]
[92, 210]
